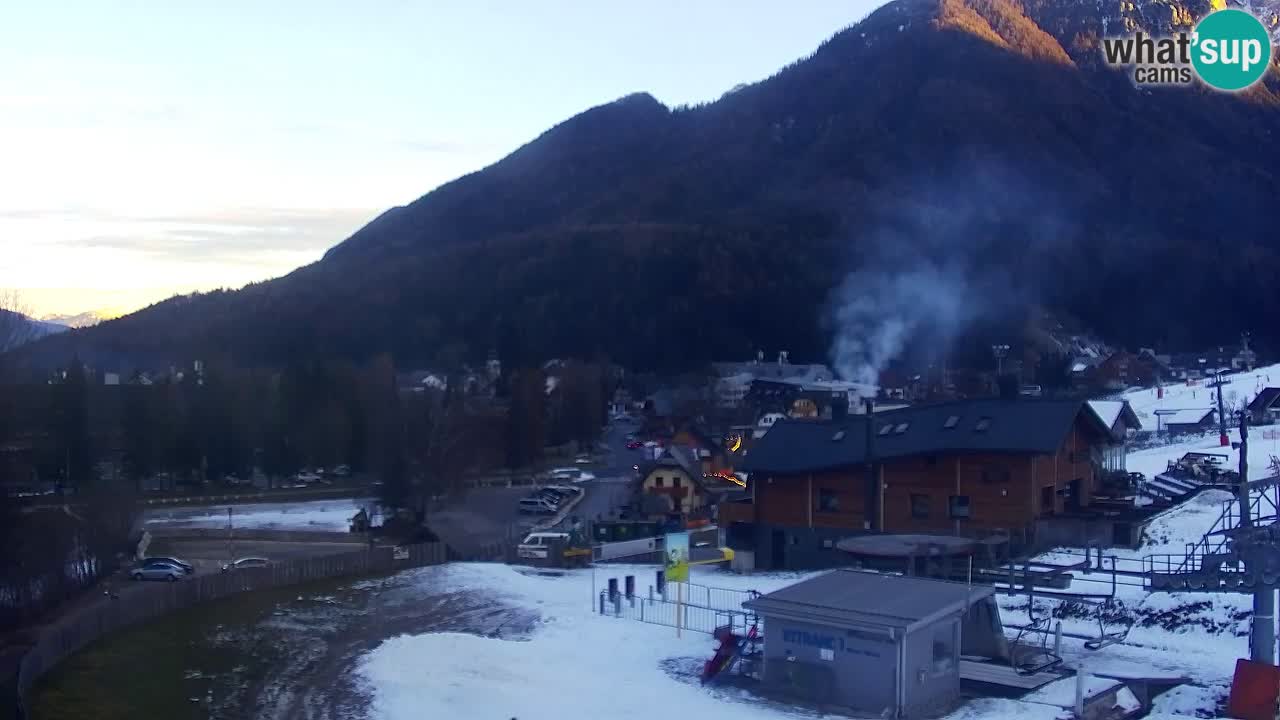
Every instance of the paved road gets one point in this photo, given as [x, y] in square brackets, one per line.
[620, 462]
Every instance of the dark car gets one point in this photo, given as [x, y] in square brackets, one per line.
[187, 567]
[634, 445]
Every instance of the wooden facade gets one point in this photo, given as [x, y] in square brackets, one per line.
[675, 482]
[938, 493]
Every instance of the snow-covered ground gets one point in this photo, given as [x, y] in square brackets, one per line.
[1241, 387]
[320, 515]
[576, 663]
[1153, 461]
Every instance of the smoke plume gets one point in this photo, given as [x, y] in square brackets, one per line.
[937, 257]
[878, 312]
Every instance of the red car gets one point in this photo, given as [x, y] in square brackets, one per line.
[634, 444]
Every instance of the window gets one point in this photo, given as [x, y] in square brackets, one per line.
[944, 648]
[838, 436]
[959, 506]
[901, 428]
[828, 501]
[951, 422]
[658, 480]
[982, 424]
[675, 481]
[919, 506]
[886, 430]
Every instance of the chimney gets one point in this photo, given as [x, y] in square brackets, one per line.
[872, 501]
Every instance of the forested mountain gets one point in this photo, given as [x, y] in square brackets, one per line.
[969, 156]
[17, 329]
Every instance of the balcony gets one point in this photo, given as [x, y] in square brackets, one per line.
[739, 511]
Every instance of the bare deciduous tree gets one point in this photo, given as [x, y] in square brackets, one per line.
[15, 327]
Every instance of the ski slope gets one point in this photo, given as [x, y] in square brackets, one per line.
[1264, 443]
[1241, 387]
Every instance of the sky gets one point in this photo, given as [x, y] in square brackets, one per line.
[155, 148]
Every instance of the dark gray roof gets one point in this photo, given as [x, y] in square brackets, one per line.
[1265, 399]
[855, 598]
[1012, 426]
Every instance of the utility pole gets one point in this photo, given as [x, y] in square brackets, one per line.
[1218, 383]
[1262, 635]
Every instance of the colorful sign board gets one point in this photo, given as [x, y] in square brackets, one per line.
[676, 565]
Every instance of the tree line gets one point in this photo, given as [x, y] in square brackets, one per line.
[96, 448]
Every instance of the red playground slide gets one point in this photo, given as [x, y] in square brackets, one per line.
[726, 654]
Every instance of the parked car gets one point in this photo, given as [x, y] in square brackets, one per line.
[341, 471]
[567, 474]
[566, 490]
[555, 496]
[306, 477]
[635, 445]
[158, 571]
[534, 505]
[187, 567]
[245, 564]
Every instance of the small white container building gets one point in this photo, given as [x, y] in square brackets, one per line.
[885, 645]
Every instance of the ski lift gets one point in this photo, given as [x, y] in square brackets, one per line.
[1042, 658]
[1106, 639]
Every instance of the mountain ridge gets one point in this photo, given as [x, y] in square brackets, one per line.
[936, 136]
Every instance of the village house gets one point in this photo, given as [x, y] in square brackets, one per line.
[1187, 421]
[1265, 408]
[962, 468]
[691, 484]
[1121, 370]
[1123, 423]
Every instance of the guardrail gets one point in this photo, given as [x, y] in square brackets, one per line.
[311, 536]
[139, 602]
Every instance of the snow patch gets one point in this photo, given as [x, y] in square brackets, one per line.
[319, 515]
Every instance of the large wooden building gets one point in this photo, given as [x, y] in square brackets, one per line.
[959, 468]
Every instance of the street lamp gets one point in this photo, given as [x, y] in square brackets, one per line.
[1000, 351]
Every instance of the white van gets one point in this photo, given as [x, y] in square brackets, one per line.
[537, 545]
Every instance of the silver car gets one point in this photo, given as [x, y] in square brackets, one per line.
[246, 564]
[158, 571]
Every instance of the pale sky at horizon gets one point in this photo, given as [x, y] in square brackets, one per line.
[148, 149]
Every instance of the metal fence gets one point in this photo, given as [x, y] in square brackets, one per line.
[657, 611]
[137, 602]
[693, 607]
[709, 597]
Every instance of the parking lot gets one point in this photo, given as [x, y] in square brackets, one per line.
[209, 555]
